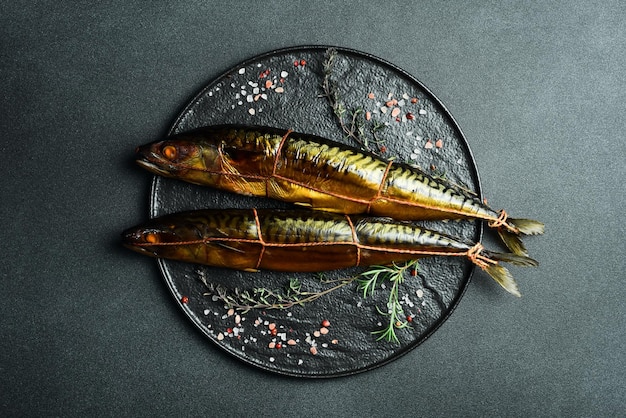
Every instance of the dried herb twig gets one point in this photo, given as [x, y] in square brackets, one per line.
[263, 298]
[352, 121]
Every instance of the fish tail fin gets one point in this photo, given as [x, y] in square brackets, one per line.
[526, 226]
[503, 277]
[515, 259]
[488, 261]
[512, 242]
[510, 229]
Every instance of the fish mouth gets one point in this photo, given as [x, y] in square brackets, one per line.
[150, 166]
[130, 241]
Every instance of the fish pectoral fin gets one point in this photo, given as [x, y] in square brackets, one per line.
[320, 208]
[228, 247]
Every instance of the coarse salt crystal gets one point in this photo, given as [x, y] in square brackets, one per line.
[255, 90]
[422, 112]
[242, 70]
[284, 74]
[206, 311]
[252, 111]
[419, 293]
[395, 112]
[272, 359]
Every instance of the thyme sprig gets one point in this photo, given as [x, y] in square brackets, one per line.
[263, 298]
[351, 121]
[395, 274]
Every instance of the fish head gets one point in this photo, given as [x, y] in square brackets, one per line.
[161, 239]
[178, 157]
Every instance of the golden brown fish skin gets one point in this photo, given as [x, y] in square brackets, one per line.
[300, 241]
[315, 172]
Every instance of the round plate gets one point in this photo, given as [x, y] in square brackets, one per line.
[283, 89]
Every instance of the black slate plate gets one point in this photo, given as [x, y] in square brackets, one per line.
[282, 89]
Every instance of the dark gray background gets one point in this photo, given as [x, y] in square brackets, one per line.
[88, 327]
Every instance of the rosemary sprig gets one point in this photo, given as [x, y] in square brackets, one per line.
[396, 274]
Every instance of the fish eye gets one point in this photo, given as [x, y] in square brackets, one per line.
[151, 238]
[169, 152]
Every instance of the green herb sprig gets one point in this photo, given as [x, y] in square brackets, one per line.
[263, 298]
[293, 294]
[395, 274]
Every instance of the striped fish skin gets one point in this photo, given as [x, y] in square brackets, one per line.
[310, 171]
[285, 240]
[321, 174]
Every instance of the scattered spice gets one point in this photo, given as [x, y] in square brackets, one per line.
[184, 299]
[325, 323]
